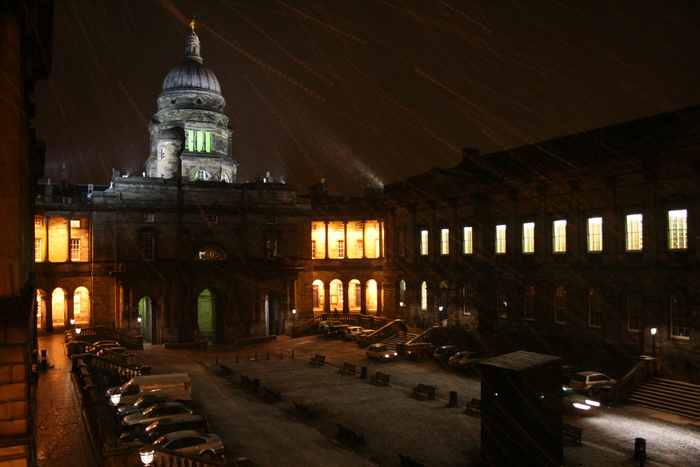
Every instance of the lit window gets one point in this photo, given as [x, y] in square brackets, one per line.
[200, 175]
[424, 242]
[595, 234]
[469, 300]
[501, 239]
[313, 249]
[75, 249]
[199, 141]
[633, 233]
[38, 249]
[678, 230]
[424, 296]
[445, 241]
[211, 252]
[529, 300]
[559, 236]
[528, 238]
[595, 308]
[318, 240]
[467, 241]
[359, 246]
[341, 249]
[560, 305]
[75, 223]
[271, 248]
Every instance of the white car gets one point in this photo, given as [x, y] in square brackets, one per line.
[196, 443]
[590, 382]
[381, 352]
[351, 332]
[575, 403]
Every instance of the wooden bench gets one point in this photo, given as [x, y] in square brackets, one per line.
[424, 390]
[318, 359]
[350, 437]
[225, 370]
[348, 368]
[406, 461]
[306, 410]
[474, 407]
[573, 432]
[271, 395]
[251, 384]
[380, 378]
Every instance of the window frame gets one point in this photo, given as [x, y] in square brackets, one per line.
[444, 241]
[594, 239]
[528, 238]
[559, 236]
[634, 233]
[501, 238]
[674, 232]
[467, 240]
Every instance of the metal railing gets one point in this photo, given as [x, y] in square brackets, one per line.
[311, 326]
[100, 333]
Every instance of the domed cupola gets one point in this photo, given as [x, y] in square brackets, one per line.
[190, 137]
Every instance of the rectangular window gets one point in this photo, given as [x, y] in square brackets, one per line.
[501, 239]
[199, 141]
[595, 234]
[190, 140]
[148, 247]
[38, 249]
[75, 223]
[313, 249]
[149, 217]
[360, 245]
[207, 141]
[38, 222]
[424, 242]
[678, 230]
[559, 236]
[633, 233]
[75, 249]
[445, 241]
[341, 249]
[272, 248]
[467, 241]
[528, 238]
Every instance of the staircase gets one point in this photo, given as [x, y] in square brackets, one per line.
[674, 397]
[396, 338]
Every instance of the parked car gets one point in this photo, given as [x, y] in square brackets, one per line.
[575, 403]
[156, 412]
[416, 350]
[444, 352]
[142, 403]
[205, 445]
[322, 325]
[106, 342]
[464, 359]
[335, 331]
[590, 382]
[567, 371]
[381, 352]
[351, 332]
[167, 425]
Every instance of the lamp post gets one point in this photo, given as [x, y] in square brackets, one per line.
[653, 342]
[294, 314]
[147, 454]
[72, 322]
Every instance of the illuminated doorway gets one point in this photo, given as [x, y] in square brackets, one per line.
[355, 295]
[58, 308]
[318, 295]
[206, 316]
[372, 297]
[146, 324]
[336, 296]
[81, 307]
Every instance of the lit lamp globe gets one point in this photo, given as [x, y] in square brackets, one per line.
[115, 398]
[147, 454]
[77, 330]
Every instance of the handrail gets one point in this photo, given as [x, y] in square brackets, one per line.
[310, 326]
[383, 332]
[100, 332]
[642, 371]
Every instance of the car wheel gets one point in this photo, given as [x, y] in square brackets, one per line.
[589, 393]
[207, 456]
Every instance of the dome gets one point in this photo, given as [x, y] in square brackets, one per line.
[190, 74]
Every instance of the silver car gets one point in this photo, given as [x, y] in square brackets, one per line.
[195, 443]
[590, 382]
[156, 412]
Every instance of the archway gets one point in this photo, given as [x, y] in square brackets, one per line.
[318, 295]
[206, 316]
[81, 307]
[58, 307]
[336, 296]
[146, 324]
[372, 297]
[355, 295]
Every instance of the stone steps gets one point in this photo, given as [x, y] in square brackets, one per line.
[669, 396]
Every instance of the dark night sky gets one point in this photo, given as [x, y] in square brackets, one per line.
[363, 92]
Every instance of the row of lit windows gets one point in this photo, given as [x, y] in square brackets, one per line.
[199, 141]
[340, 240]
[679, 314]
[39, 249]
[677, 235]
[337, 297]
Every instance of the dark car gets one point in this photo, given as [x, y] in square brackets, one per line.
[416, 350]
[142, 403]
[167, 425]
[335, 331]
[444, 352]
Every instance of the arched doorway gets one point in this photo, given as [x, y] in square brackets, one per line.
[81, 307]
[372, 297]
[273, 305]
[58, 307]
[318, 296]
[355, 295]
[336, 296]
[146, 324]
[206, 316]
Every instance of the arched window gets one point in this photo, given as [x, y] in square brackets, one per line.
[424, 295]
[560, 305]
[318, 295]
[336, 295]
[81, 306]
[502, 301]
[200, 175]
[402, 292]
[529, 303]
[680, 317]
[211, 252]
[355, 295]
[634, 311]
[595, 308]
[372, 296]
[468, 300]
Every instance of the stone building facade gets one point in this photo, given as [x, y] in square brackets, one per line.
[583, 243]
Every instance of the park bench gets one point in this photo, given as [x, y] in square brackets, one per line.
[406, 461]
[474, 407]
[350, 437]
[251, 384]
[380, 378]
[348, 368]
[318, 359]
[424, 390]
[271, 395]
[306, 410]
[573, 432]
[225, 370]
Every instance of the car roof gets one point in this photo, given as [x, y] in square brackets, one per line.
[183, 434]
[588, 373]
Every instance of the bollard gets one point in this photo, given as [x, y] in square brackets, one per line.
[292, 352]
[281, 356]
[236, 358]
[268, 355]
[640, 450]
[363, 372]
[453, 399]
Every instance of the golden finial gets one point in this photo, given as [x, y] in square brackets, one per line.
[192, 24]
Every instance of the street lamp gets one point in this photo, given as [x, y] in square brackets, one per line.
[72, 322]
[147, 453]
[294, 314]
[77, 331]
[653, 342]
